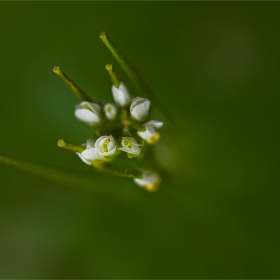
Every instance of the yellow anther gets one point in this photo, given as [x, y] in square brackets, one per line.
[151, 188]
[104, 146]
[154, 139]
[107, 141]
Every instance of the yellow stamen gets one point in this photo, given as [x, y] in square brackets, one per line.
[105, 146]
[154, 139]
[127, 143]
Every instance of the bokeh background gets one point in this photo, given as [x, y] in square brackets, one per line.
[215, 69]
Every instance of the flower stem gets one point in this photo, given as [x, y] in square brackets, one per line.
[77, 90]
[57, 175]
[113, 76]
[70, 146]
[127, 67]
[133, 74]
[121, 171]
[138, 127]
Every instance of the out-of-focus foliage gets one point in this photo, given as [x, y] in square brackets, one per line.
[215, 68]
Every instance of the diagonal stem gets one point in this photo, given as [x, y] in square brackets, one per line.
[75, 88]
[133, 74]
[68, 177]
[57, 175]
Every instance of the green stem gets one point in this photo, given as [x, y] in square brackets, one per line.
[127, 67]
[112, 75]
[104, 166]
[57, 175]
[70, 146]
[77, 90]
[120, 171]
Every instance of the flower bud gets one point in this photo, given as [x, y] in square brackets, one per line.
[139, 108]
[150, 180]
[110, 111]
[121, 95]
[88, 112]
[150, 131]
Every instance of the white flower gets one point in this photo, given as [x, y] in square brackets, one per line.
[90, 153]
[150, 131]
[88, 112]
[106, 145]
[121, 95]
[150, 180]
[130, 146]
[139, 108]
[110, 111]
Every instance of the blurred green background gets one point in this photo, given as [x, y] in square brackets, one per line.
[215, 68]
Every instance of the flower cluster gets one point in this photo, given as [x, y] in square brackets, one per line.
[122, 127]
[132, 115]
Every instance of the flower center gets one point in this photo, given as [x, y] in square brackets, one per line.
[127, 143]
[105, 146]
[87, 107]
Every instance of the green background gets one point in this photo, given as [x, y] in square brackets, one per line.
[215, 69]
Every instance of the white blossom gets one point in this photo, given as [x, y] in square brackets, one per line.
[150, 180]
[121, 95]
[150, 131]
[129, 145]
[110, 111]
[106, 145]
[88, 112]
[139, 108]
[90, 153]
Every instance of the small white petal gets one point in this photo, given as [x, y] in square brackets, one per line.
[121, 95]
[83, 159]
[149, 178]
[95, 108]
[91, 154]
[99, 142]
[148, 133]
[88, 112]
[139, 108]
[127, 150]
[86, 116]
[112, 143]
[155, 124]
